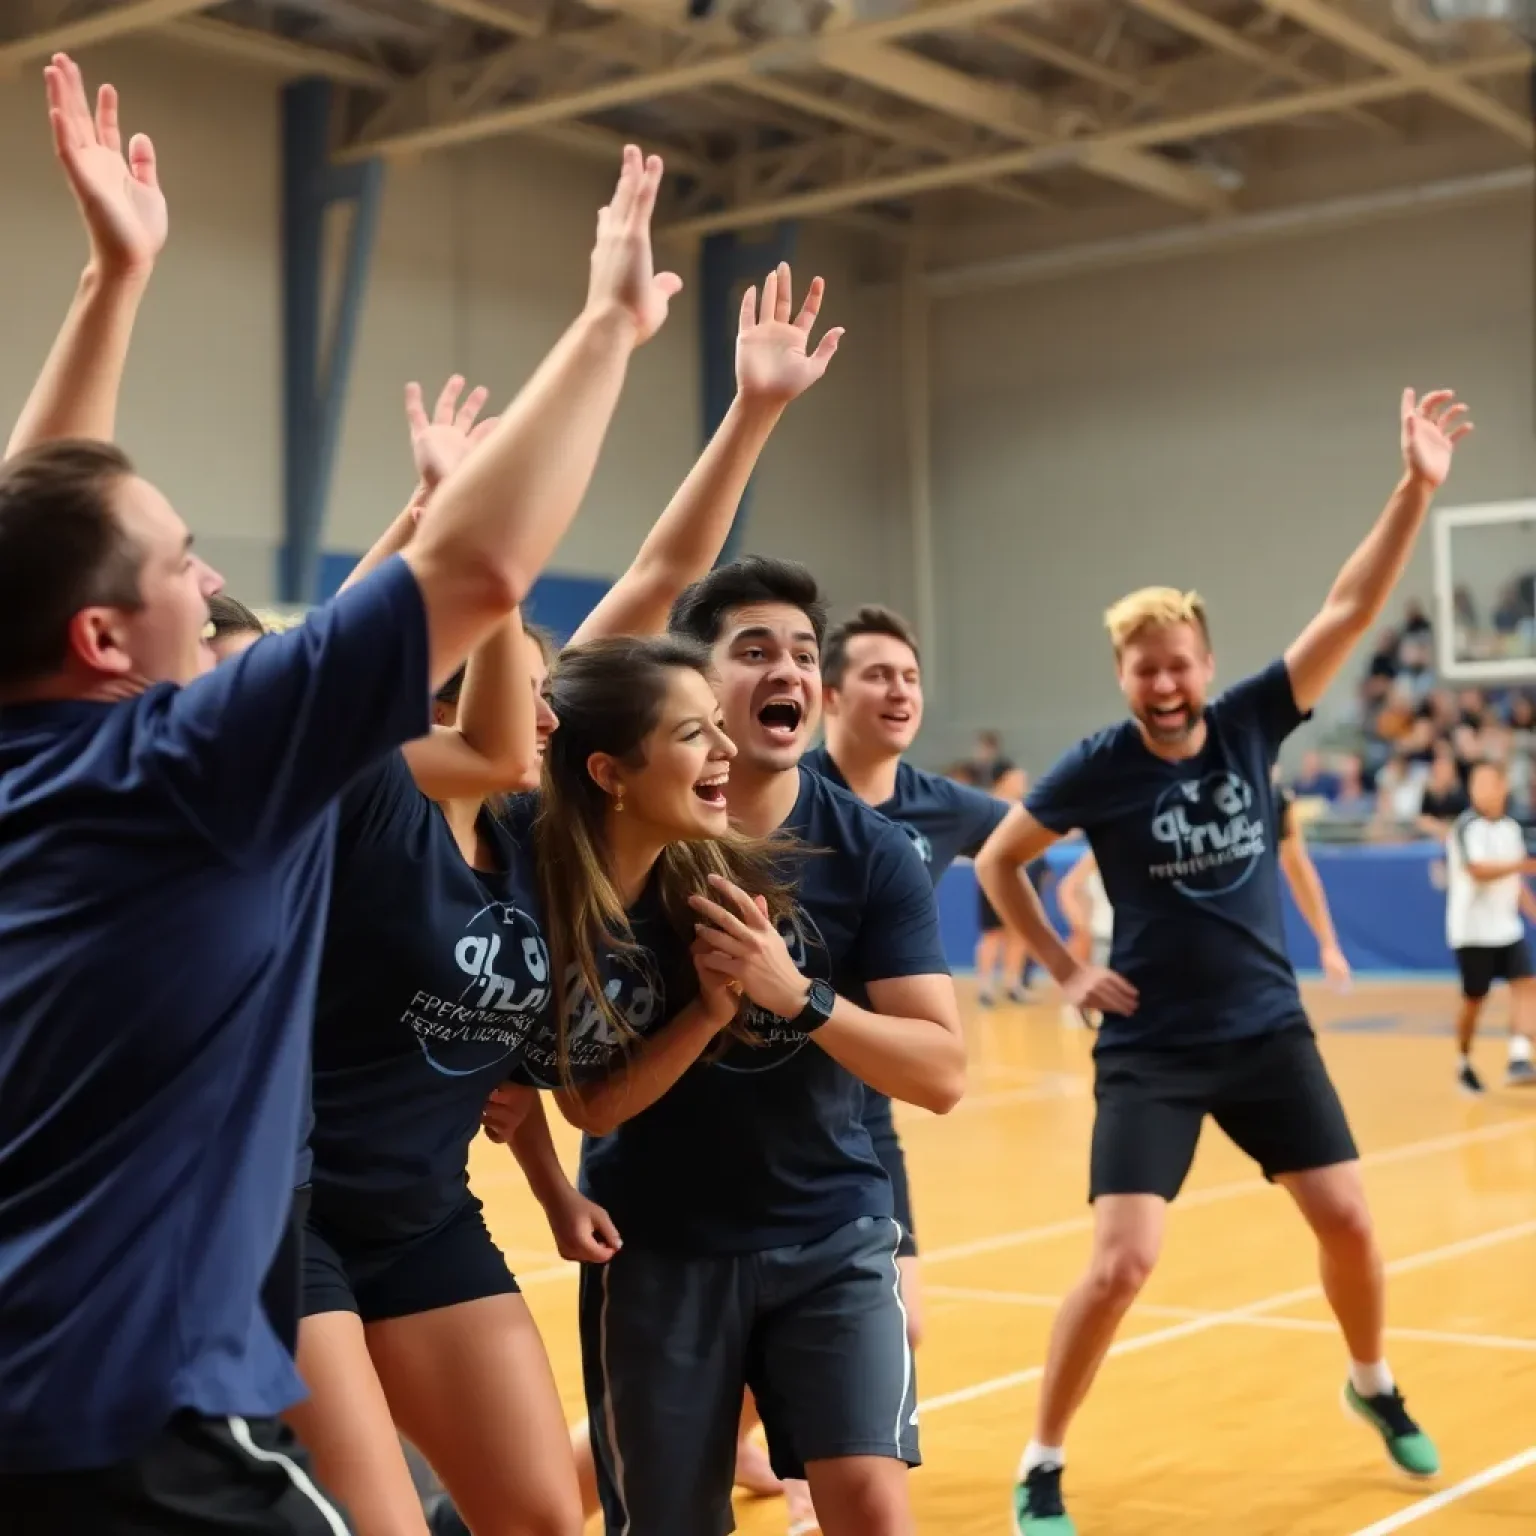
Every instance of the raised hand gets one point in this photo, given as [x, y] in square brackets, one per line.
[772, 363]
[1431, 429]
[623, 276]
[119, 198]
[440, 445]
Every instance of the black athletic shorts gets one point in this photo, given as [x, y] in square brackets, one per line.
[456, 1261]
[1270, 1093]
[283, 1290]
[197, 1477]
[1481, 965]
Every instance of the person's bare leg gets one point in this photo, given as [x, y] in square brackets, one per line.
[1466, 1031]
[861, 1496]
[1522, 1032]
[1333, 1202]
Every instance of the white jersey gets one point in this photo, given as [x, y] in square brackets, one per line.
[1482, 914]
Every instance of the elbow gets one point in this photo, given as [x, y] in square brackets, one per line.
[946, 1088]
[588, 1118]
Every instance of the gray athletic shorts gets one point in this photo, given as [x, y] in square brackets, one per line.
[669, 1341]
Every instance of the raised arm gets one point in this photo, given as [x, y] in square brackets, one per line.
[125, 217]
[1000, 866]
[1430, 430]
[496, 522]
[773, 366]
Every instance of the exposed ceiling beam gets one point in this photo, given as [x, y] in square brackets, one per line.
[1228, 40]
[490, 15]
[273, 52]
[1326, 19]
[719, 68]
[1012, 162]
[1014, 114]
[1010, 35]
[120, 21]
[878, 125]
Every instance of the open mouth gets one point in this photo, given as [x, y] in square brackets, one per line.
[897, 717]
[780, 719]
[1169, 716]
[712, 791]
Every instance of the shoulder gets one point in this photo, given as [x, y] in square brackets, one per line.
[1106, 751]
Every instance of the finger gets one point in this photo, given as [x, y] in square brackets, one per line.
[716, 941]
[720, 964]
[728, 890]
[1449, 420]
[1120, 996]
[827, 348]
[667, 284]
[107, 132]
[142, 161]
[645, 195]
[602, 1224]
[442, 414]
[623, 199]
[1465, 430]
[483, 429]
[416, 415]
[761, 903]
[770, 297]
[812, 306]
[784, 299]
[72, 99]
[721, 917]
[748, 316]
[1409, 405]
[474, 403]
[1435, 401]
[63, 145]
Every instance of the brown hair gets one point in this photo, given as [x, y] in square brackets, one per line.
[609, 696]
[871, 619]
[62, 548]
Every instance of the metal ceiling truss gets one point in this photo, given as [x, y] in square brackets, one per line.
[1138, 100]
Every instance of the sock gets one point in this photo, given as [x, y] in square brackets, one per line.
[1037, 1455]
[1370, 1380]
[1519, 1048]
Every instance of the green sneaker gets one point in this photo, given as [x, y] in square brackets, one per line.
[1408, 1446]
[1037, 1506]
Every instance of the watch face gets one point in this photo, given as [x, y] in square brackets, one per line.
[823, 999]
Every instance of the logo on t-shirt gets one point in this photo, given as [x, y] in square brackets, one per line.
[592, 1040]
[918, 840]
[505, 963]
[1212, 832]
[774, 1042]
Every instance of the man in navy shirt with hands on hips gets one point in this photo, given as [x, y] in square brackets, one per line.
[759, 1241]
[166, 833]
[1201, 1012]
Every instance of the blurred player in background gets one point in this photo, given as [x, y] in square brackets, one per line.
[1486, 902]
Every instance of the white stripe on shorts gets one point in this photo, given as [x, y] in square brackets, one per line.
[610, 1438]
[240, 1432]
[906, 1340]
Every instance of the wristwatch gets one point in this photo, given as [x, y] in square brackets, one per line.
[818, 1008]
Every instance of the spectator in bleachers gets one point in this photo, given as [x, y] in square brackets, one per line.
[1351, 801]
[1313, 781]
[988, 764]
[1445, 796]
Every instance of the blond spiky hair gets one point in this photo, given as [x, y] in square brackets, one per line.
[1154, 608]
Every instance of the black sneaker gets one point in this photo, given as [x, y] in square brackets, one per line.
[1469, 1080]
[1037, 1506]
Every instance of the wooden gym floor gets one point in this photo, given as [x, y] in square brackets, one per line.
[1219, 1411]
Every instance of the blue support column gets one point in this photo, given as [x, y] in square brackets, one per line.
[726, 266]
[316, 367]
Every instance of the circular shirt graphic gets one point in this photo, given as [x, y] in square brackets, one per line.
[594, 1044]
[504, 962]
[1209, 834]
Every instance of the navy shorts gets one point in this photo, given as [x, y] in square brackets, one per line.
[882, 1134]
[1270, 1093]
[1482, 964]
[669, 1341]
[455, 1262]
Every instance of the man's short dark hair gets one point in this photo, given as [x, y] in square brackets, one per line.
[700, 611]
[871, 619]
[62, 548]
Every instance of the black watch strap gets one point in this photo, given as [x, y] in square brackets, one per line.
[818, 1008]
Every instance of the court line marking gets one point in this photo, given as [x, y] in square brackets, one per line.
[1217, 1193]
[1452, 1495]
[1208, 1321]
[1494, 1341]
[1235, 1189]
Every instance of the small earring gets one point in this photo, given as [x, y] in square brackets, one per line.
[618, 799]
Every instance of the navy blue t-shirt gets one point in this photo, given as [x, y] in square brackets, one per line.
[945, 821]
[434, 976]
[762, 1144]
[164, 868]
[1188, 853]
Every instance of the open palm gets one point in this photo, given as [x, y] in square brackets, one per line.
[119, 196]
[772, 360]
[1432, 427]
[441, 444]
